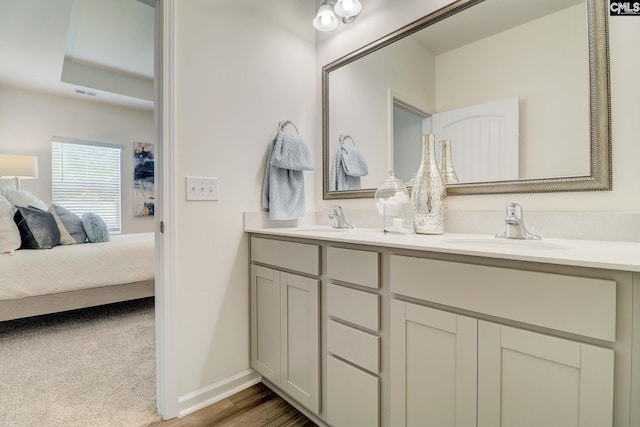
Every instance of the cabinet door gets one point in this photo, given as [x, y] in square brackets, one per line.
[433, 367]
[300, 373]
[353, 395]
[265, 322]
[526, 379]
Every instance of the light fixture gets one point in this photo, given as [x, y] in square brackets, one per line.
[348, 9]
[326, 19]
[18, 166]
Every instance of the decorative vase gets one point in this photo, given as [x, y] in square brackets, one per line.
[449, 175]
[429, 197]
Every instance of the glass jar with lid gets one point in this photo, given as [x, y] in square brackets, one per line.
[394, 204]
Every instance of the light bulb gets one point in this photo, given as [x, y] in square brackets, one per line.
[347, 5]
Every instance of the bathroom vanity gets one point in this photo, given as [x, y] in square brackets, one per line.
[363, 328]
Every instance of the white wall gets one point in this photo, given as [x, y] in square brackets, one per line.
[380, 17]
[28, 121]
[241, 67]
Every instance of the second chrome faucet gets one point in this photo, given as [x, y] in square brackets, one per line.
[514, 224]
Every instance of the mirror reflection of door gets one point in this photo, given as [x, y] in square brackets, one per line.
[408, 127]
[484, 140]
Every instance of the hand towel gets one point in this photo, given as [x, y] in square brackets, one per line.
[283, 186]
[348, 166]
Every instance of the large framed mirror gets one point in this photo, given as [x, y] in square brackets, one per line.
[519, 87]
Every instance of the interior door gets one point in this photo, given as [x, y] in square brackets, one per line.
[484, 139]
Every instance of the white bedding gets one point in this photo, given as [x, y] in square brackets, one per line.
[127, 258]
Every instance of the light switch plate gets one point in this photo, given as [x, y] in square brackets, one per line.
[202, 188]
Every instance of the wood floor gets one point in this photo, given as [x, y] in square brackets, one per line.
[256, 406]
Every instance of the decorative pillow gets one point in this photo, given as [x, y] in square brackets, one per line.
[70, 225]
[65, 237]
[95, 227]
[38, 228]
[9, 234]
[22, 198]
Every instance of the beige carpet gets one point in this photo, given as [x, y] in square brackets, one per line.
[91, 367]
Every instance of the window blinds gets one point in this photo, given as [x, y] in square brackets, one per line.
[86, 178]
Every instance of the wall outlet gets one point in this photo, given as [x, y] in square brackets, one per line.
[202, 188]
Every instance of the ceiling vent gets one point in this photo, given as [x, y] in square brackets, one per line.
[85, 92]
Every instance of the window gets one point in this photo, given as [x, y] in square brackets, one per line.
[86, 178]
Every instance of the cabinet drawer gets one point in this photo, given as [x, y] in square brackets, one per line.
[360, 308]
[353, 266]
[290, 255]
[359, 348]
[353, 396]
[578, 305]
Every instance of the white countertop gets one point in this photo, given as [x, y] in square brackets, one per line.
[624, 256]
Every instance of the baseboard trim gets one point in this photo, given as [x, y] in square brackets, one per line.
[213, 393]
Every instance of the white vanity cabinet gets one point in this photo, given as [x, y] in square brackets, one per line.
[453, 370]
[365, 333]
[285, 318]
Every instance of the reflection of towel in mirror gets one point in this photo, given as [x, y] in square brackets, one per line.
[283, 186]
[348, 167]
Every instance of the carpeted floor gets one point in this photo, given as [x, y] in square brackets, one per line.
[90, 367]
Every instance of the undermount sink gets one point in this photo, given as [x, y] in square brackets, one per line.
[505, 243]
[322, 229]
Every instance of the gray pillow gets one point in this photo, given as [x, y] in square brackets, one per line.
[38, 228]
[71, 222]
[95, 227]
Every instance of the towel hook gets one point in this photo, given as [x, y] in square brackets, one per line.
[285, 123]
[342, 138]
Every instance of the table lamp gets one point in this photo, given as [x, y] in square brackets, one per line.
[18, 166]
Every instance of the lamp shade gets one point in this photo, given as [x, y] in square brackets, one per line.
[18, 166]
[348, 8]
[325, 19]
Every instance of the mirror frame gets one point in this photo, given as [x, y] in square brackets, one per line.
[600, 177]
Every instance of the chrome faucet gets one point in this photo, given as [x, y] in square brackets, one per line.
[339, 221]
[514, 223]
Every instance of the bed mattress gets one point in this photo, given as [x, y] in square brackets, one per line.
[127, 258]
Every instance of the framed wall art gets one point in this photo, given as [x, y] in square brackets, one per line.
[143, 179]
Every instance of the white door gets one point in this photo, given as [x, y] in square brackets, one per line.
[526, 379]
[300, 347]
[484, 140]
[433, 367]
[265, 322]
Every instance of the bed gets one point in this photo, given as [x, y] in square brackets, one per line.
[67, 277]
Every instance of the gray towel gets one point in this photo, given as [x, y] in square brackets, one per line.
[283, 186]
[348, 166]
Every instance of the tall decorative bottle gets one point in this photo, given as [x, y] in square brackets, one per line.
[446, 165]
[429, 196]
